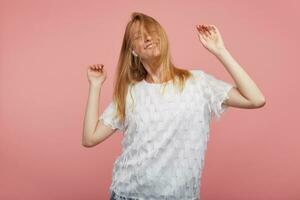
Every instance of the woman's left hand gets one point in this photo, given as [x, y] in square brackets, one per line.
[210, 38]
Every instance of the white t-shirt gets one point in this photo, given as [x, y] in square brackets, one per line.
[165, 137]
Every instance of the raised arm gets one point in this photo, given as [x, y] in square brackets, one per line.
[94, 131]
[246, 94]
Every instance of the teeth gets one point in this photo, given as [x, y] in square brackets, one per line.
[149, 46]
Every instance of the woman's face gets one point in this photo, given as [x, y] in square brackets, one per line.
[146, 47]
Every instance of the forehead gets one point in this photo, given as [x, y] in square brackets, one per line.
[137, 27]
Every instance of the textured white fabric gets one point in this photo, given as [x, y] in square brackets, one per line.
[165, 138]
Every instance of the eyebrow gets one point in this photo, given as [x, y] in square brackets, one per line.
[137, 32]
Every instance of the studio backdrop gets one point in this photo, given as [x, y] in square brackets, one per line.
[46, 46]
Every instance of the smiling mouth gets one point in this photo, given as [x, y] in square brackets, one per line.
[150, 46]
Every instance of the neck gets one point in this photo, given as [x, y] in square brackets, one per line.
[154, 73]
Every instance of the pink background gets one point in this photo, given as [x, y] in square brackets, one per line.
[46, 46]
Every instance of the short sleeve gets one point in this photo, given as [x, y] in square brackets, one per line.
[217, 92]
[109, 117]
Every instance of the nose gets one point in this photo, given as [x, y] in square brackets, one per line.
[148, 38]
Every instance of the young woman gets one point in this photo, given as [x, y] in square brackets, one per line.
[164, 112]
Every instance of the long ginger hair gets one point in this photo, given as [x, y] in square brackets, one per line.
[130, 70]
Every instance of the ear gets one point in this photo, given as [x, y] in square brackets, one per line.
[133, 52]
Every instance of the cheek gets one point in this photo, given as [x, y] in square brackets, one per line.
[138, 46]
[141, 48]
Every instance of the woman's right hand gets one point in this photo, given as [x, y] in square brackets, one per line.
[96, 74]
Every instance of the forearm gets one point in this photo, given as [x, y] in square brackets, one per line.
[91, 113]
[244, 83]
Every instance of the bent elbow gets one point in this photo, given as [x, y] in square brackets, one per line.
[87, 143]
[260, 103]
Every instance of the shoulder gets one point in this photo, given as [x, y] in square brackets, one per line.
[197, 74]
[203, 75]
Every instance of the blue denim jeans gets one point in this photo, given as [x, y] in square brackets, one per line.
[112, 197]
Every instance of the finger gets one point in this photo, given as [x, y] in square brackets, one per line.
[101, 67]
[207, 29]
[209, 32]
[204, 30]
[211, 28]
[200, 29]
[202, 38]
[215, 29]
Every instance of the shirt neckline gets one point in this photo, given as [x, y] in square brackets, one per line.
[156, 84]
